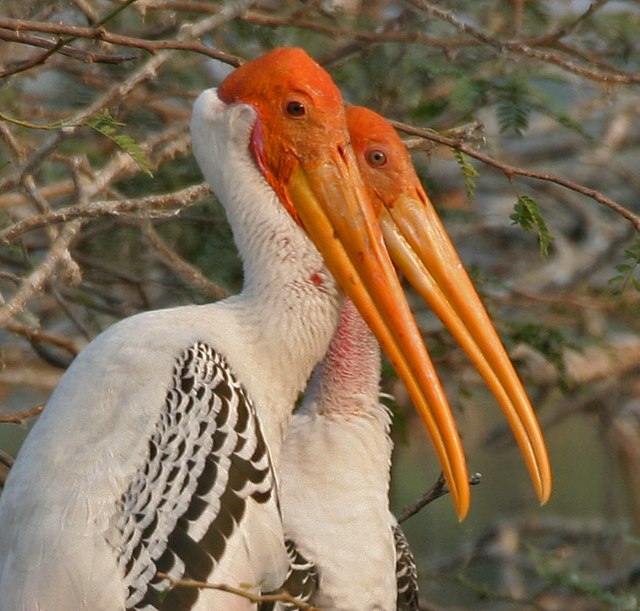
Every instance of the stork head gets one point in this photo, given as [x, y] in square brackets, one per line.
[290, 114]
[420, 247]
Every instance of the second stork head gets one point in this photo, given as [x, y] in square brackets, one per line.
[420, 247]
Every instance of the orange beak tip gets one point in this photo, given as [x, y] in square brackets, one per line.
[462, 514]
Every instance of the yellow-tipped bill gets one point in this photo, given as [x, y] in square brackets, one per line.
[421, 249]
[333, 209]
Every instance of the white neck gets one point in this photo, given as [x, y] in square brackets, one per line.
[289, 304]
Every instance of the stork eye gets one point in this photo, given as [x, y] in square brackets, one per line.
[296, 109]
[376, 157]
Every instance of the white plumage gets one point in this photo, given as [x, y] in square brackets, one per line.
[334, 472]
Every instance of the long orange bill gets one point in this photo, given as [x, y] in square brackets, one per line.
[422, 250]
[332, 206]
[301, 144]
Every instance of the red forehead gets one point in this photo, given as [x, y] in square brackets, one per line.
[277, 74]
[370, 131]
[368, 127]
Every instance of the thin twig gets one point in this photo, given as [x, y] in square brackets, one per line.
[255, 598]
[6, 459]
[520, 48]
[31, 63]
[36, 280]
[21, 417]
[174, 141]
[43, 337]
[180, 267]
[166, 202]
[438, 489]
[510, 170]
[88, 57]
[99, 33]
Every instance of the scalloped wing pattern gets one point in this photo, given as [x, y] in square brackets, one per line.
[301, 581]
[206, 458]
[406, 573]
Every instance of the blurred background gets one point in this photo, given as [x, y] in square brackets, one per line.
[528, 141]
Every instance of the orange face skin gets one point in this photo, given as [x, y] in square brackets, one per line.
[278, 84]
[385, 176]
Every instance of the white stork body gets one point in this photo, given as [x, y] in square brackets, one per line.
[63, 524]
[334, 479]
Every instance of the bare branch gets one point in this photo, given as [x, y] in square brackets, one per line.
[438, 489]
[61, 43]
[21, 417]
[6, 460]
[182, 268]
[167, 145]
[36, 280]
[510, 170]
[255, 598]
[521, 48]
[88, 57]
[102, 35]
[42, 337]
[166, 202]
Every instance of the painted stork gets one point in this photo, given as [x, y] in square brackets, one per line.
[154, 455]
[334, 468]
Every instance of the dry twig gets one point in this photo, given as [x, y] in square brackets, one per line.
[438, 489]
[510, 171]
[21, 417]
[147, 206]
[245, 593]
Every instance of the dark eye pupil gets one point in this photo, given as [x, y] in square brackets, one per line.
[296, 109]
[376, 157]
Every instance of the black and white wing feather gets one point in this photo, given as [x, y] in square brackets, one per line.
[406, 573]
[206, 459]
[301, 581]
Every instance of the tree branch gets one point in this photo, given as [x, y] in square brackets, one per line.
[42, 337]
[182, 268]
[510, 170]
[88, 57]
[102, 35]
[521, 48]
[255, 598]
[21, 417]
[60, 44]
[438, 489]
[36, 280]
[167, 203]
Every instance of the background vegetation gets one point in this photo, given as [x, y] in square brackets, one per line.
[524, 119]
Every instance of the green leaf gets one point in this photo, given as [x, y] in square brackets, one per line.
[107, 125]
[469, 173]
[513, 115]
[627, 270]
[526, 213]
[513, 104]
